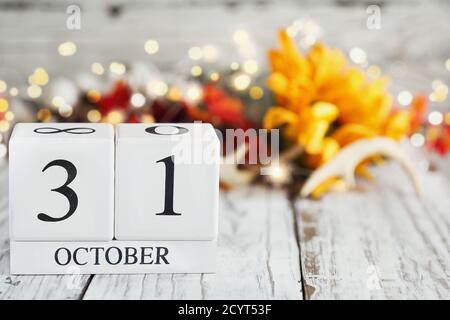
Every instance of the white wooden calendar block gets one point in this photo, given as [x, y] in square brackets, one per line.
[61, 182]
[167, 182]
[112, 257]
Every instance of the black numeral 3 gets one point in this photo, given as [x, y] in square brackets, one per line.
[64, 190]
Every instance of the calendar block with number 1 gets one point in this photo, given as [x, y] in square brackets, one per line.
[167, 179]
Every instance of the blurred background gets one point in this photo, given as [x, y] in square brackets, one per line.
[50, 51]
[412, 43]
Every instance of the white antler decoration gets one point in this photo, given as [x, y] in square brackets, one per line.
[229, 172]
[344, 163]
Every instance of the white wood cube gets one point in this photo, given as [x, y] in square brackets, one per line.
[62, 182]
[167, 182]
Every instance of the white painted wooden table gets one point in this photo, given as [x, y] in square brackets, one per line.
[379, 242]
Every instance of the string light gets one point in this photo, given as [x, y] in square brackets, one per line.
[276, 172]
[34, 91]
[358, 56]
[447, 64]
[157, 88]
[66, 49]
[234, 66]
[256, 93]
[308, 40]
[374, 71]
[3, 86]
[196, 71]
[435, 118]
[65, 110]
[299, 23]
[13, 91]
[9, 116]
[117, 68]
[240, 36]
[137, 100]
[39, 77]
[151, 46]
[4, 105]
[114, 117]
[148, 118]
[291, 31]
[93, 95]
[44, 115]
[417, 140]
[241, 82]
[4, 125]
[214, 76]
[436, 84]
[404, 98]
[250, 66]
[174, 94]
[195, 53]
[94, 115]
[194, 93]
[97, 68]
[279, 174]
[57, 101]
[440, 91]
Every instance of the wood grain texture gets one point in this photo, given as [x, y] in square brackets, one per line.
[381, 242]
[258, 257]
[69, 286]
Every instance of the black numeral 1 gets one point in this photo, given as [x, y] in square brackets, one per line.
[168, 198]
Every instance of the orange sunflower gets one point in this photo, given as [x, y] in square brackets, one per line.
[324, 103]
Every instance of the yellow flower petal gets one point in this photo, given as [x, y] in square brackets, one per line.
[312, 137]
[329, 149]
[327, 64]
[324, 111]
[277, 116]
[397, 125]
[332, 184]
[278, 83]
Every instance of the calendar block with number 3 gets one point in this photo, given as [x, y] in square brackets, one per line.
[62, 182]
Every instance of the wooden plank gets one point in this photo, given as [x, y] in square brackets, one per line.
[258, 257]
[382, 242]
[31, 287]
